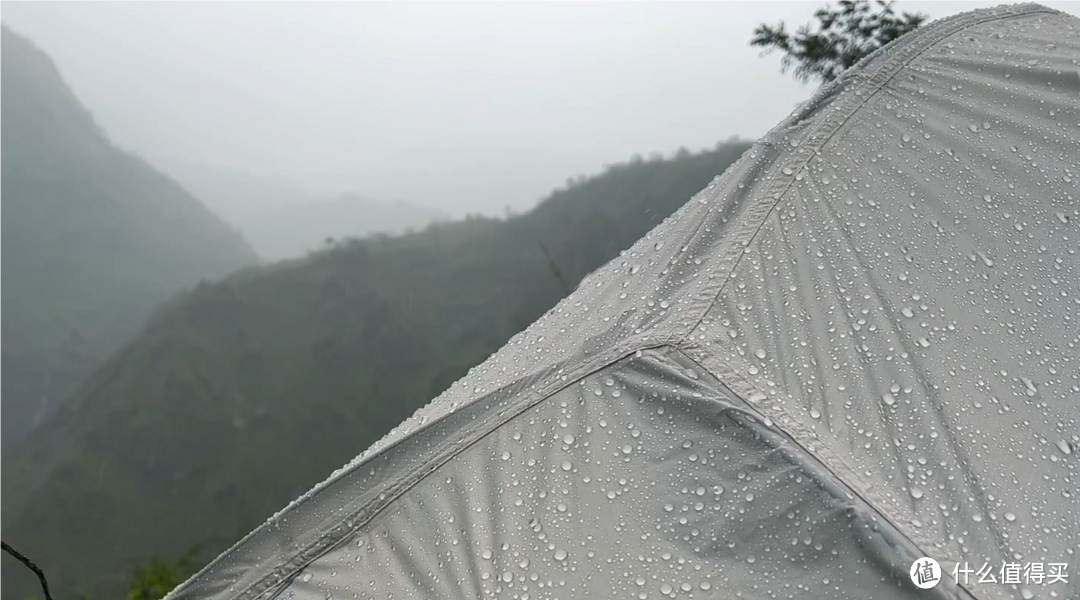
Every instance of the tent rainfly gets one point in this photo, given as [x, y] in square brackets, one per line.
[858, 347]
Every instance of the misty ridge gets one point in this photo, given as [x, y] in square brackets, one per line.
[281, 219]
[244, 242]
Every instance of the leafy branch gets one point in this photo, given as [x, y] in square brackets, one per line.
[844, 36]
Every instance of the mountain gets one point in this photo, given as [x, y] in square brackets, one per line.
[93, 238]
[282, 220]
[240, 395]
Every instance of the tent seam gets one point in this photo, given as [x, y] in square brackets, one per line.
[266, 587]
[860, 87]
[700, 356]
[837, 467]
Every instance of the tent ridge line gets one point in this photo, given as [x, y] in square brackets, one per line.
[722, 369]
[855, 88]
[331, 534]
[844, 478]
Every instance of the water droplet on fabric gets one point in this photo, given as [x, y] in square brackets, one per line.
[1065, 447]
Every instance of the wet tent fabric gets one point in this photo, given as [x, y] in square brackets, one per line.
[856, 347]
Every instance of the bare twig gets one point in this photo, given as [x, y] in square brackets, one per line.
[555, 270]
[29, 565]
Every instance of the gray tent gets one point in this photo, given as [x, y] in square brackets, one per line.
[857, 347]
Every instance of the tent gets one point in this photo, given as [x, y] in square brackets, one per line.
[858, 347]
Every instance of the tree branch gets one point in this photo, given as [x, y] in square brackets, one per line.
[29, 565]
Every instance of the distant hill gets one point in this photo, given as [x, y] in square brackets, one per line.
[240, 395]
[93, 238]
[282, 220]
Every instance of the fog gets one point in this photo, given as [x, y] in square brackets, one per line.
[463, 107]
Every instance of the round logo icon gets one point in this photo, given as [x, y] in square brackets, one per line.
[925, 573]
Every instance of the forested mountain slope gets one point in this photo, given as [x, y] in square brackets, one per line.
[93, 238]
[240, 395]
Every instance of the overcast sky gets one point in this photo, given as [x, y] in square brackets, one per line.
[464, 106]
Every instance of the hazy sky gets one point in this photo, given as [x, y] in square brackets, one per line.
[465, 106]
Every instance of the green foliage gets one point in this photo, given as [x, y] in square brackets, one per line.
[238, 396]
[844, 36]
[157, 577]
[93, 239]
